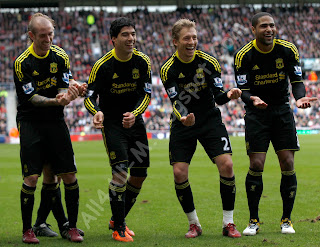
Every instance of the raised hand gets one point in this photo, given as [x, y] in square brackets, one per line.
[188, 120]
[65, 98]
[305, 102]
[234, 93]
[82, 88]
[259, 103]
[72, 93]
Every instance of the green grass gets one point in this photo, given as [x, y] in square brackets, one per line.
[157, 217]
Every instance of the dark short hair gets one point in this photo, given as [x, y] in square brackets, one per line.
[118, 24]
[256, 17]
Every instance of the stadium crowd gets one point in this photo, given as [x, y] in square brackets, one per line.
[3, 112]
[221, 31]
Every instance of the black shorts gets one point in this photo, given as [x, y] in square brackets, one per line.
[208, 129]
[275, 124]
[126, 146]
[45, 143]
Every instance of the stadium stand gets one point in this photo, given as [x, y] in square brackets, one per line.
[221, 32]
[3, 112]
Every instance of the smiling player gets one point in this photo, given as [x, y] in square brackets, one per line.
[262, 69]
[193, 82]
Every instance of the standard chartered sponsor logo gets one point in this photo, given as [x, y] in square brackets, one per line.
[262, 77]
[266, 79]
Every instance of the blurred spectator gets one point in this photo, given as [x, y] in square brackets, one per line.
[3, 112]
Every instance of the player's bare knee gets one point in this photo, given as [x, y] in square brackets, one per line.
[50, 179]
[286, 160]
[119, 173]
[257, 164]
[119, 178]
[225, 165]
[180, 172]
[69, 178]
[136, 181]
[48, 175]
[227, 169]
[31, 181]
[287, 164]
[180, 175]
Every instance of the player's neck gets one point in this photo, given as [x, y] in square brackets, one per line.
[264, 47]
[185, 58]
[123, 55]
[39, 52]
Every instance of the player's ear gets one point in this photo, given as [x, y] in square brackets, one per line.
[175, 42]
[113, 39]
[31, 35]
[253, 30]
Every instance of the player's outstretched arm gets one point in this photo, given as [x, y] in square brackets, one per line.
[259, 103]
[234, 93]
[98, 119]
[305, 102]
[188, 120]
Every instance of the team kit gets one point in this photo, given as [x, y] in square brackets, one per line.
[117, 93]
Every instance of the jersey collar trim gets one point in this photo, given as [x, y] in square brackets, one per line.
[115, 56]
[35, 54]
[177, 55]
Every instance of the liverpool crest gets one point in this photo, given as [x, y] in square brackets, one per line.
[53, 67]
[279, 63]
[200, 73]
[135, 74]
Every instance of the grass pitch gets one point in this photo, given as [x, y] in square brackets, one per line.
[157, 217]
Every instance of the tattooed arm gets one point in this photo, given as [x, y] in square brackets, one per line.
[41, 101]
[63, 98]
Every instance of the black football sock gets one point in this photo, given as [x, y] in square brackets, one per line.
[288, 190]
[26, 202]
[117, 195]
[57, 208]
[132, 193]
[45, 203]
[72, 202]
[185, 197]
[227, 192]
[254, 188]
